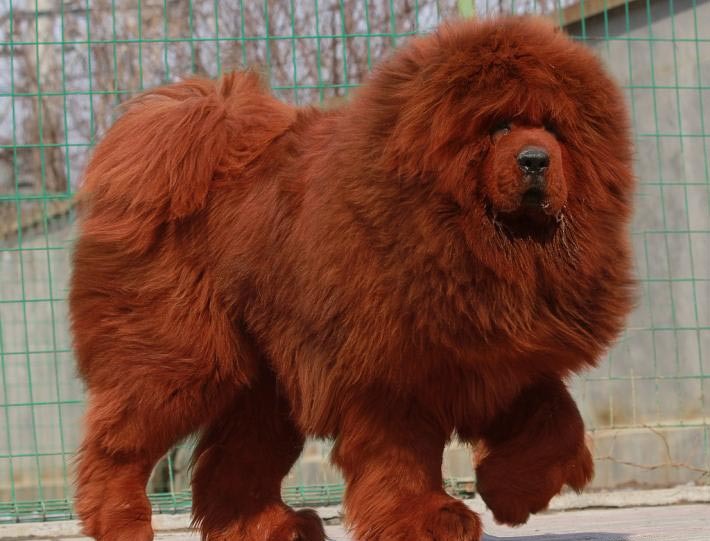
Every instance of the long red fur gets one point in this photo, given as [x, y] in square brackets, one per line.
[260, 273]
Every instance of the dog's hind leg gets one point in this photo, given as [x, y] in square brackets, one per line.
[154, 334]
[129, 427]
[141, 404]
[240, 463]
[111, 500]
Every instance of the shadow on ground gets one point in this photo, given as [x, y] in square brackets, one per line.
[584, 536]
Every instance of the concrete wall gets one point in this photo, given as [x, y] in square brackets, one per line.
[657, 374]
[36, 366]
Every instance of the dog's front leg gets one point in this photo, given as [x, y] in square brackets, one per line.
[391, 455]
[530, 451]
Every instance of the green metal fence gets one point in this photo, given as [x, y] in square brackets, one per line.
[64, 66]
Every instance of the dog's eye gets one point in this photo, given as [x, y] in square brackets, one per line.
[551, 128]
[501, 128]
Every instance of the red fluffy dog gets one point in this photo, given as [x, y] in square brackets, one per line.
[433, 258]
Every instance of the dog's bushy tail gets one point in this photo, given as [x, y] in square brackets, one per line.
[164, 152]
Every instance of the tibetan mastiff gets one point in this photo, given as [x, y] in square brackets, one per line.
[433, 258]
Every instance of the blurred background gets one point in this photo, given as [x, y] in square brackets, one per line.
[64, 68]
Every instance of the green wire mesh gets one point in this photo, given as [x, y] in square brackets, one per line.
[65, 66]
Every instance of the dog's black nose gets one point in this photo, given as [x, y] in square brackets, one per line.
[533, 160]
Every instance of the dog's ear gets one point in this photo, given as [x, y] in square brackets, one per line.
[164, 152]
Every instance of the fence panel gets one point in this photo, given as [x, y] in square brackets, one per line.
[64, 68]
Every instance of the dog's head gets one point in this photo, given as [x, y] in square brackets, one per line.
[512, 120]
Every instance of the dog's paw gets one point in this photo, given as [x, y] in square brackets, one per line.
[133, 531]
[303, 525]
[436, 517]
[112, 519]
[274, 523]
[580, 470]
[515, 488]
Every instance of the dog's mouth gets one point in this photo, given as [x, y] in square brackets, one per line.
[535, 198]
[532, 220]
